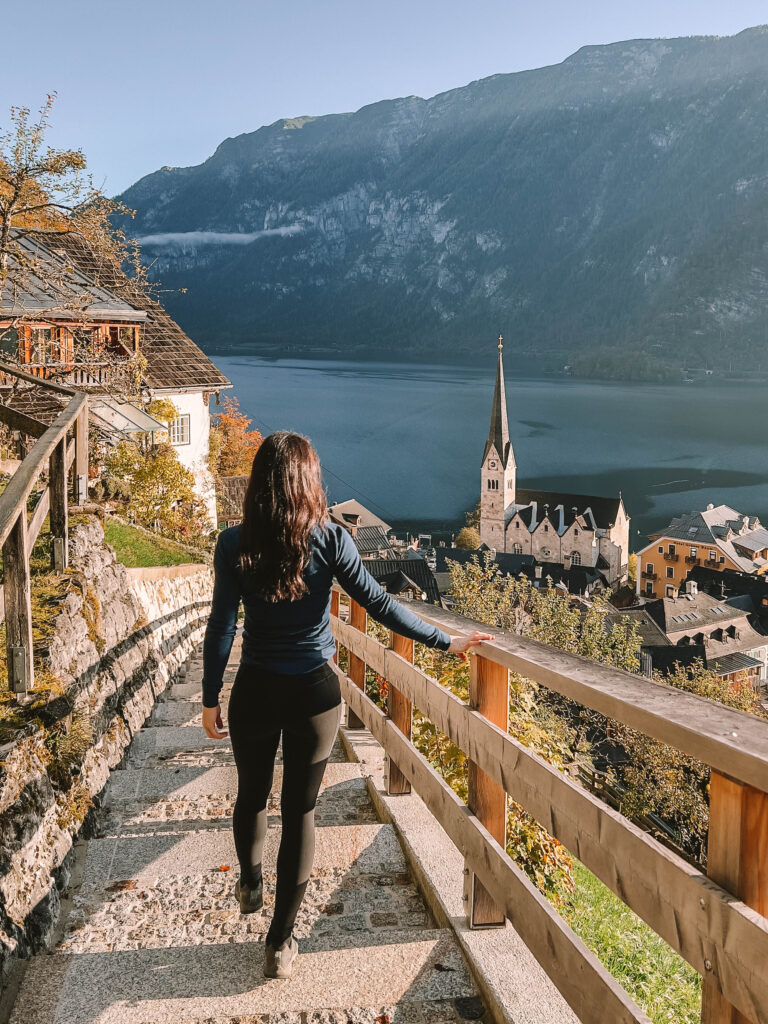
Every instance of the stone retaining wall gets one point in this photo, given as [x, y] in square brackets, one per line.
[120, 637]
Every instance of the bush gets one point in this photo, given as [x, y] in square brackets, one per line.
[468, 539]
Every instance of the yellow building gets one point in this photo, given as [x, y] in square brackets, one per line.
[719, 538]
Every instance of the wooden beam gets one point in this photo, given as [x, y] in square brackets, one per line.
[400, 711]
[58, 506]
[737, 859]
[595, 996]
[489, 696]
[37, 518]
[17, 420]
[21, 484]
[80, 476]
[358, 621]
[695, 916]
[18, 607]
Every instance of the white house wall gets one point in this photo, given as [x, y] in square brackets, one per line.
[195, 454]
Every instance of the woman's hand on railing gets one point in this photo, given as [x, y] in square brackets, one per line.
[212, 723]
[461, 644]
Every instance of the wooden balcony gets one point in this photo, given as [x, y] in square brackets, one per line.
[670, 557]
[713, 920]
[91, 375]
[692, 560]
[649, 575]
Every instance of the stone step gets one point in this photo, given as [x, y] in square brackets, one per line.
[166, 784]
[219, 982]
[341, 805]
[342, 801]
[177, 745]
[203, 910]
[367, 849]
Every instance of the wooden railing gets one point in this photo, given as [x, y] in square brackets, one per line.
[715, 920]
[57, 447]
[89, 374]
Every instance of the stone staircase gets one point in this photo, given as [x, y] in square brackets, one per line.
[154, 935]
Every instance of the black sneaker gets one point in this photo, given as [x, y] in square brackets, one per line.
[278, 962]
[250, 899]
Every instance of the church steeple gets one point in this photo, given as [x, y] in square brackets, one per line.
[499, 432]
[498, 473]
[498, 435]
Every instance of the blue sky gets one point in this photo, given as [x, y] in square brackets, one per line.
[154, 82]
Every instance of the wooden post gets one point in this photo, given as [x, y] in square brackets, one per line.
[18, 608]
[58, 509]
[80, 472]
[401, 712]
[358, 619]
[737, 859]
[488, 694]
[335, 612]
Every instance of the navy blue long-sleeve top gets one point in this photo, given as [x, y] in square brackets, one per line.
[295, 636]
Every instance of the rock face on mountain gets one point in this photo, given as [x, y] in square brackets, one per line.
[617, 202]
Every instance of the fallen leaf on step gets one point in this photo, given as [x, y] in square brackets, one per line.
[383, 1019]
[223, 867]
[124, 885]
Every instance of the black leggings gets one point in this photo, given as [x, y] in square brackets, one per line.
[305, 709]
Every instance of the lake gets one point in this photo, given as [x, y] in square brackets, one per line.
[407, 440]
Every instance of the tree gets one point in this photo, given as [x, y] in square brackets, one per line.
[472, 518]
[233, 444]
[468, 539]
[162, 491]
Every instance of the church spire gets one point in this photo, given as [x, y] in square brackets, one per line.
[499, 432]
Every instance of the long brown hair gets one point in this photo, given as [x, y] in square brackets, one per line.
[283, 503]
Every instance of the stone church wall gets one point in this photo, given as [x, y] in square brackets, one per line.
[120, 637]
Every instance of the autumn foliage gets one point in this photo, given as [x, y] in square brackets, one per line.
[233, 442]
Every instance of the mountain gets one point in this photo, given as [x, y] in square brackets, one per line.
[614, 204]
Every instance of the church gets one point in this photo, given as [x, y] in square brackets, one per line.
[567, 529]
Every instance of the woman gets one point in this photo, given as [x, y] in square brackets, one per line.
[281, 563]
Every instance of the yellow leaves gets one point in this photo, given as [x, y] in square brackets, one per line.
[233, 443]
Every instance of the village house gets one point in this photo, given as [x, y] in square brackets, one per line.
[369, 531]
[554, 527]
[78, 318]
[723, 633]
[719, 538]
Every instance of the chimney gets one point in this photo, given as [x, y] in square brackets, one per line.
[537, 572]
[692, 588]
[492, 553]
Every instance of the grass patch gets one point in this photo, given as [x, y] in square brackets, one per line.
[660, 981]
[138, 550]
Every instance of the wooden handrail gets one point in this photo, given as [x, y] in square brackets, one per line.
[55, 452]
[733, 742]
[707, 923]
[20, 486]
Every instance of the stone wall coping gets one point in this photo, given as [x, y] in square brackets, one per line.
[167, 572]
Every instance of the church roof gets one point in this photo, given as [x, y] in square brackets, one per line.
[564, 508]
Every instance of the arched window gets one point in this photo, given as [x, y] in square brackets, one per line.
[575, 558]
[517, 549]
